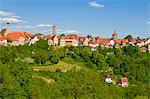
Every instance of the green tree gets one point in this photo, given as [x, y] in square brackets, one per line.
[62, 34]
[55, 58]
[43, 44]
[40, 56]
[129, 37]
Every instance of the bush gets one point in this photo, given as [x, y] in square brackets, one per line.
[55, 59]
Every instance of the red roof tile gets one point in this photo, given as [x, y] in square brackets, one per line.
[73, 36]
[16, 35]
[2, 37]
[103, 40]
[124, 80]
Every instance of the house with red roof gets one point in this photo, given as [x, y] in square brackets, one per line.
[123, 82]
[73, 36]
[71, 42]
[103, 41]
[33, 39]
[93, 44]
[13, 38]
[86, 41]
[17, 38]
[3, 40]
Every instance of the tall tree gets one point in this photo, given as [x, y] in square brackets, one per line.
[129, 37]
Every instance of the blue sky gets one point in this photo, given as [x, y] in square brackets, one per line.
[94, 17]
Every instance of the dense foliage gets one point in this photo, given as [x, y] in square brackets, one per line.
[19, 81]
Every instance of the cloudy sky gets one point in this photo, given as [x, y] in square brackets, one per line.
[93, 17]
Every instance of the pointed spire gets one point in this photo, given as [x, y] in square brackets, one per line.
[115, 35]
[7, 25]
[115, 32]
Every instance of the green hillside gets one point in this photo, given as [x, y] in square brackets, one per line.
[49, 72]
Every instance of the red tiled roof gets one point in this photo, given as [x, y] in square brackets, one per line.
[134, 41]
[103, 40]
[119, 41]
[124, 80]
[47, 37]
[73, 36]
[94, 43]
[16, 35]
[2, 37]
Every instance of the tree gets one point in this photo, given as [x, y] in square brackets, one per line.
[62, 34]
[15, 81]
[129, 37]
[55, 58]
[130, 50]
[40, 56]
[43, 44]
[4, 55]
[114, 62]
[89, 36]
[102, 65]
[86, 53]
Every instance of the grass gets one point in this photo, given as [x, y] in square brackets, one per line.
[63, 66]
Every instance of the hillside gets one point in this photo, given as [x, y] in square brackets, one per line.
[48, 72]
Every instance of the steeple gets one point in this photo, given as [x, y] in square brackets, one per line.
[115, 35]
[7, 25]
[53, 30]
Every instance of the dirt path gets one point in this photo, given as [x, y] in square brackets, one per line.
[45, 79]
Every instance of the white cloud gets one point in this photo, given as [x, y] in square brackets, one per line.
[71, 31]
[8, 17]
[23, 27]
[96, 4]
[10, 20]
[148, 22]
[5, 14]
[17, 17]
[8, 14]
[32, 27]
[43, 25]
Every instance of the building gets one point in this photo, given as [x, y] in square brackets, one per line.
[71, 42]
[33, 40]
[123, 82]
[53, 30]
[149, 47]
[108, 80]
[5, 32]
[86, 42]
[115, 35]
[62, 41]
[17, 38]
[93, 44]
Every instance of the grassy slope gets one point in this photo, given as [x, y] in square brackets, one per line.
[64, 65]
[82, 81]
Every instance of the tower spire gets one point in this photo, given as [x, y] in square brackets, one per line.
[7, 25]
[54, 30]
[115, 35]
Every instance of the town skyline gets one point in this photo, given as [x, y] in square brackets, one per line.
[96, 18]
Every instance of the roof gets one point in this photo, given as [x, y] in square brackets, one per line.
[47, 37]
[2, 37]
[124, 79]
[73, 36]
[103, 40]
[121, 41]
[16, 35]
[4, 32]
[94, 43]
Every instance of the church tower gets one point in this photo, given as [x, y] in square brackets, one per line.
[53, 30]
[115, 35]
